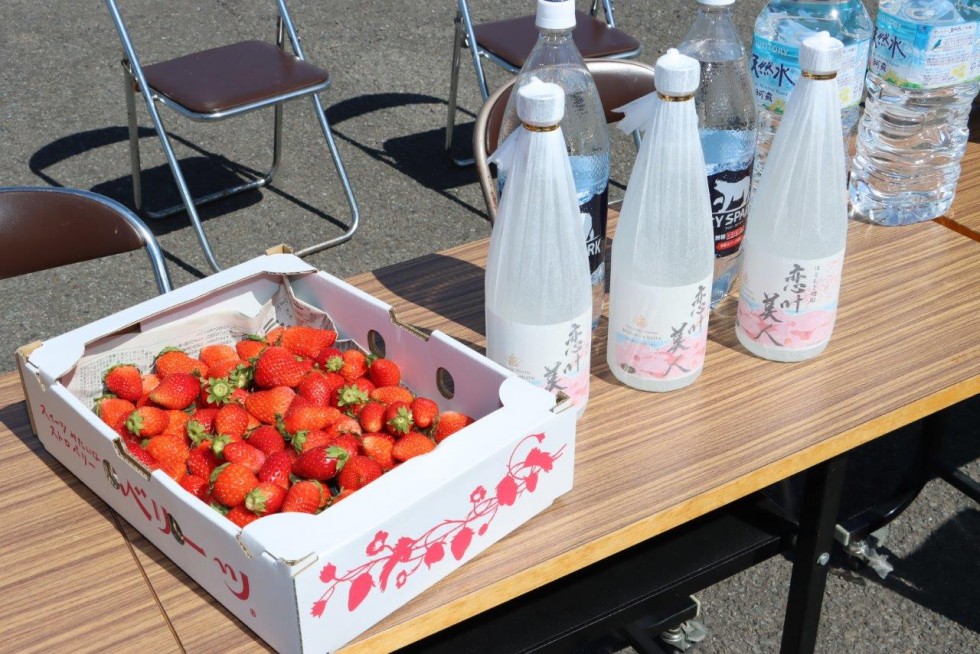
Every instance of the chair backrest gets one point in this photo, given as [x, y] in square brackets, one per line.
[618, 81]
[45, 227]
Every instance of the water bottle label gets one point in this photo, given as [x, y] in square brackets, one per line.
[776, 69]
[915, 56]
[659, 333]
[553, 357]
[789, 303]
[729, 208]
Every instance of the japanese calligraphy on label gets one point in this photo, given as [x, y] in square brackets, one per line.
[789, 303]
[660, 333]
[775, 71]
[916, 56]
[553, 357]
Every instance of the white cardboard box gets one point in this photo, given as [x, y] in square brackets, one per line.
[312, 583]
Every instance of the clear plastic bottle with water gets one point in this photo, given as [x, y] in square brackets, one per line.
[556, 59]
[779, 29]
[921, 84]
[727, 119]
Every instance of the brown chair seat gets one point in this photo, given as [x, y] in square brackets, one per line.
[513, 39]
[232, 76]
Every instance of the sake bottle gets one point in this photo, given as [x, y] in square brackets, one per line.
[797, 227]
[663, 252]
[538, 289]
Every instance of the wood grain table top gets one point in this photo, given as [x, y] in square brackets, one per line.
[905, 346]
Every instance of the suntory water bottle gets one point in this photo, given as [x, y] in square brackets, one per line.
[538, 292]
[663, 253]
[556, 59]
[794, 242]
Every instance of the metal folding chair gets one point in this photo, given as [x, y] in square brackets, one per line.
[618, 83]
[507, 43]
[219, 83]
[46, 227]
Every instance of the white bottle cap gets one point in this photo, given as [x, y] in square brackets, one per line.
[716, 3]
[555, 15]
[821, 54]
[540, 104]
[676, 74]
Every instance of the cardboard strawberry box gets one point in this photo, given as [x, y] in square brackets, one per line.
[311, 583]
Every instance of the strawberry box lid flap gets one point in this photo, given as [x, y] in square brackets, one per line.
[58, 355]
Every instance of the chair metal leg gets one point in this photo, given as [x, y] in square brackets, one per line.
[134, 140]
[454, 82]
[464, 36]
[344, 180]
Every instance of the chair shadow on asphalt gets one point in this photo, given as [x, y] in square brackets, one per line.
[205, 172]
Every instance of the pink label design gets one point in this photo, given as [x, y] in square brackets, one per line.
[405, 555]
[789, 303]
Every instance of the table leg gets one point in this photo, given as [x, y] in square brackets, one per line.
[821, 501]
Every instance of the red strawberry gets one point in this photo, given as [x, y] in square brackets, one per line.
[449, 423]
[176, 391]
[243, 453]
[216, 353]
[231, 420]
[320, 463]
[266, 406]
[137, 452]
[345, 424]
[343, 494]
[267, 439]
[392, 394]
[113, 410]
[231, 482]
[150, 381]
[304, 497]
[378, 446]
[250, 347]
[372, 417]
[359, 471]
[241, 516]
[316, 388]
[265, 498]
[277, 366]
[411, 445]
[350, 399]
[307, 440]
[346, 441]
[170, 452]
[306, 417]
[355, 365]
[331, 359]
[147, 421]
[171, 360]
[215, 392]
[274, 337]
[196, 486]
[385, 372]
[202, 460]
[398, 419]
[307, 341]
[124, 381]
[277, 468]
[424, 412]
[205, 418]
[177, 424]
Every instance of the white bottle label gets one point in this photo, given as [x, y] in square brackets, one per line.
[915, 56]
[789, 303]
[553, 357]
[776, 70]
[659, 333]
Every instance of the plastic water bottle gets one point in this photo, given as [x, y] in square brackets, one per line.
[663, 253]
[779, 29]
[538, 293]
[921, 84]
[556, 59]
[797, 230]
[727, 119]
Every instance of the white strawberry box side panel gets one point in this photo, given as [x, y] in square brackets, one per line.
[312, 583]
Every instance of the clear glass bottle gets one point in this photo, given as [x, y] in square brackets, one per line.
[663, 254]
[794, 242]
[727, 119]
[538, 293]
[556, 59]
[779, 29]
[921, 84]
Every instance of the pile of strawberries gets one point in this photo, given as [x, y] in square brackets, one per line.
[284, 422]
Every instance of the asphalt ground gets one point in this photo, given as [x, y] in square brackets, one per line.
[63, 123]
